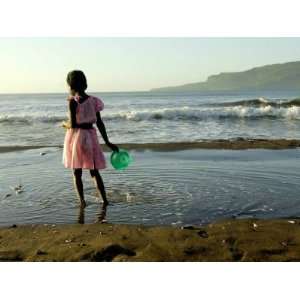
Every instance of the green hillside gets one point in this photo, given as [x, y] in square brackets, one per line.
[284, 76]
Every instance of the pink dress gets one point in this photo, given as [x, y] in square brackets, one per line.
[81, 146]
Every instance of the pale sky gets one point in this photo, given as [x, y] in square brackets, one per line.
[132, 64]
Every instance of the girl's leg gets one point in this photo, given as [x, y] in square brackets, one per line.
[79, 186]
[99, 184]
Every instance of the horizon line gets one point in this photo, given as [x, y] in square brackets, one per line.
[92, 92]
[155, 88]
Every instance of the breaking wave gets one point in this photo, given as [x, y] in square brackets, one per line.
[246, 109]
[187, 113]
[261, 102]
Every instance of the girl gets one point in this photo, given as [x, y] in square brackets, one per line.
[81, 146]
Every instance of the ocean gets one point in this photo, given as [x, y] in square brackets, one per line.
[160, 187]
[155, 117]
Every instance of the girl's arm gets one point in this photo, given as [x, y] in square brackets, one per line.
[102, 130]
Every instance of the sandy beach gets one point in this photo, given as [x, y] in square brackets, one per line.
[243, 239]
[228, 240]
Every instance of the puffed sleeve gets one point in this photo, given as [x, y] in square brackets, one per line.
[99, 105]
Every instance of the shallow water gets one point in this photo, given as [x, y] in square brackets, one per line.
[181, 187]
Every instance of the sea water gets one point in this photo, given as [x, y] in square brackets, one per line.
[180, 187]
[142, 117]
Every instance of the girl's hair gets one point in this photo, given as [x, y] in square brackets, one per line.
[77, 81]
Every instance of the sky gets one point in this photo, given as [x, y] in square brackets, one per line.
[40, 65]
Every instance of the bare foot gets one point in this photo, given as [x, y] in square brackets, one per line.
[82, 204]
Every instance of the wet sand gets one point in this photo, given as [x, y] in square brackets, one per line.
[234, 144]
[228, 240]
[237, 144]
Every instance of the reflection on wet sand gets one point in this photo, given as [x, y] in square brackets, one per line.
[81, 215]
[101, 215]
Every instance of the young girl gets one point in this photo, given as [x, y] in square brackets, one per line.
[81, 146]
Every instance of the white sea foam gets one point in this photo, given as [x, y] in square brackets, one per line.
[206, 113]
[184, 113]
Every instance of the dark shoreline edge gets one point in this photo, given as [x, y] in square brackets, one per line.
[234, 144]
[227, 240]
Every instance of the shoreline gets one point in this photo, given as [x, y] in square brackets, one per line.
[226, 240]
[234, 144]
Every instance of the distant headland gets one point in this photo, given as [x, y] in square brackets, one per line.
[285, 76]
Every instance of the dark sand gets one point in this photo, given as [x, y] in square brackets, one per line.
[234, 144]
[229, 240]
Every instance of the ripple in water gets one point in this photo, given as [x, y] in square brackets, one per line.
[182, 187]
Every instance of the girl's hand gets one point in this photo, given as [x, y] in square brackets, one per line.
[66, 124]
[70, 97]
[113, 147]
[76, 97]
